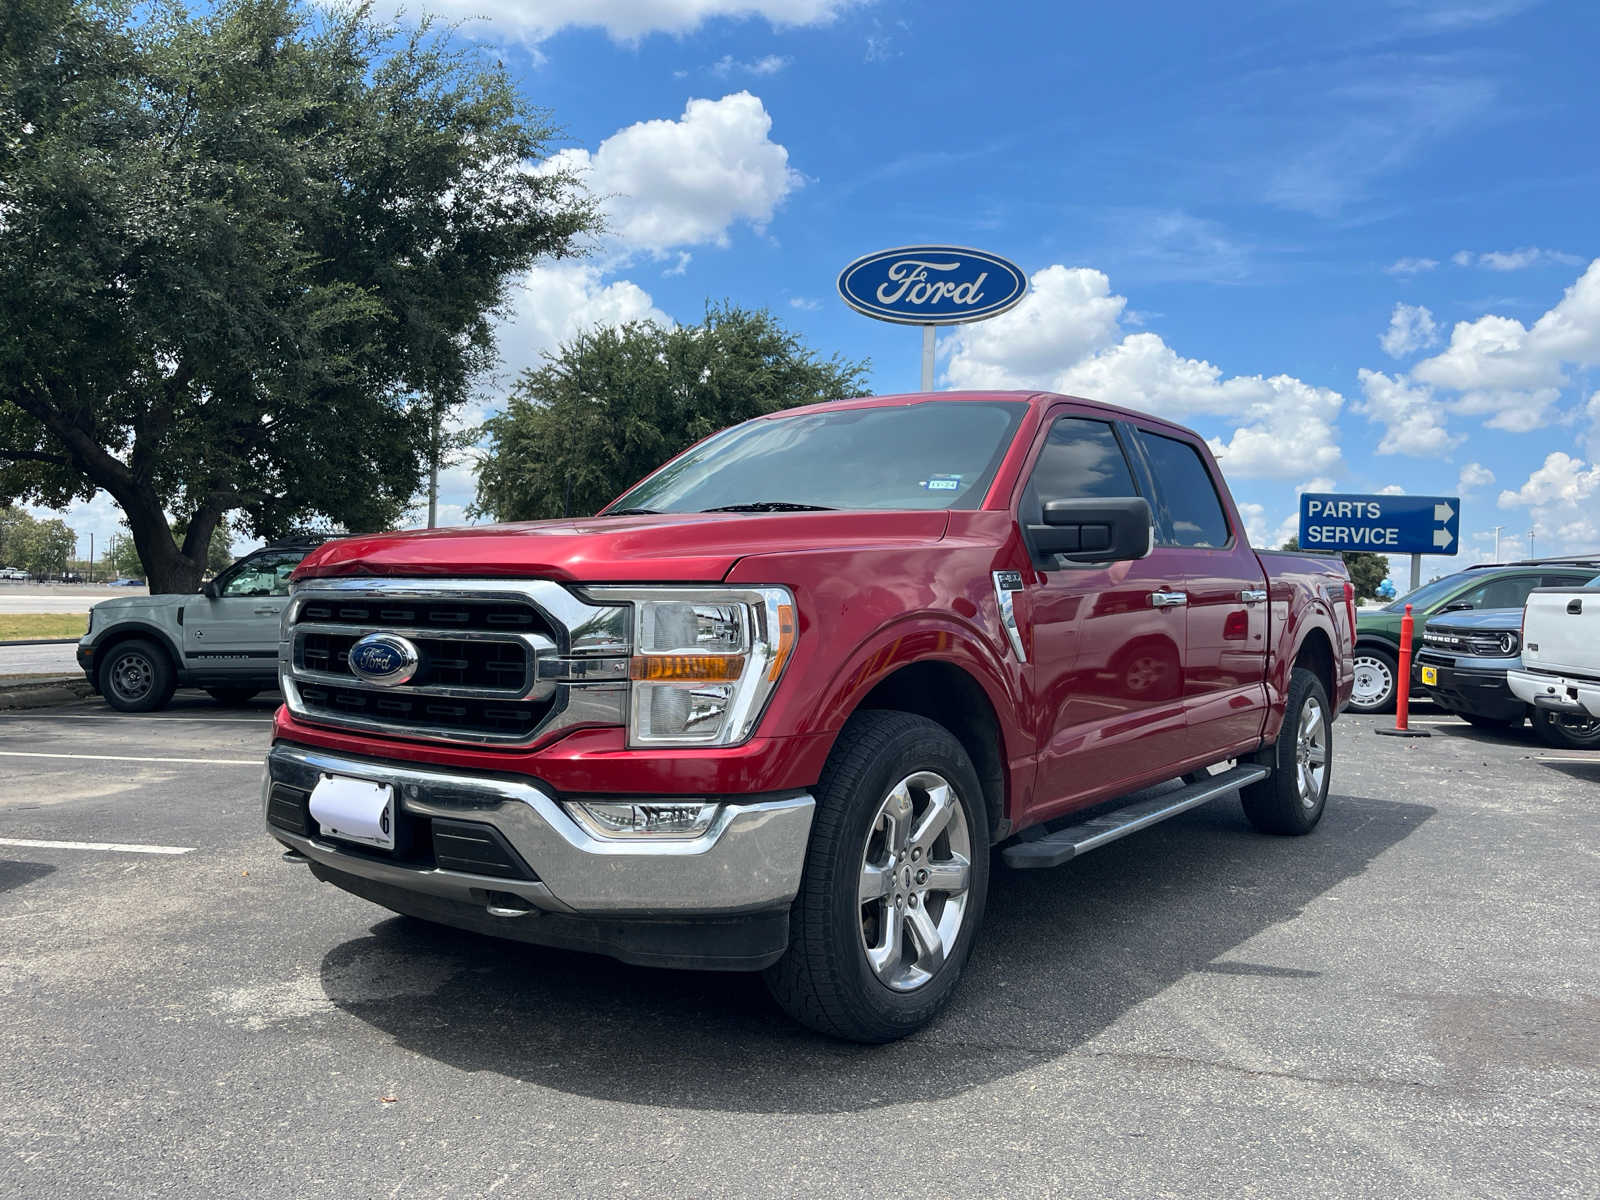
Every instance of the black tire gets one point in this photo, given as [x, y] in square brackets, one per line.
[1289, 801]
[825, 980]
[1375, 662]
[1491, 724]
[233, 696]
[136, 676]
[1566, 732]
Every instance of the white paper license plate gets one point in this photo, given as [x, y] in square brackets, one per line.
[355, 810]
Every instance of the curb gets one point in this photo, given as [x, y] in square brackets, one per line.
[43, 642]
[41, 693]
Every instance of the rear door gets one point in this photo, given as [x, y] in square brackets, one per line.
[236, 632]
[1224, 686]
[1107, 649]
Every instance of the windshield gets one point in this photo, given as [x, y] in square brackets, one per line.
[1428, 594]
[928, 455]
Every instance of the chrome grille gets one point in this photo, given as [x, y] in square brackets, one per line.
[498, 661]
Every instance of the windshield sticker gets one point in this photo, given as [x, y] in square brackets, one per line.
[942, 483]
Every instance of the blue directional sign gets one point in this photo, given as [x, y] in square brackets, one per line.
[932, 285]
[1385, 524]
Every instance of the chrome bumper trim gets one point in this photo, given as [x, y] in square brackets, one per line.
[750, 859]
[1556, 693]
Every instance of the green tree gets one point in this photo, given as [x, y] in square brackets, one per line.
[248, 255]
[122, 557]
[43, 547]
[1367, 570]
[13, 524]
[612, 405]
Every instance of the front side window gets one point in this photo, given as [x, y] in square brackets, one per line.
[922, 455]
[1080, 460]
[262, 574]
[1193, 515]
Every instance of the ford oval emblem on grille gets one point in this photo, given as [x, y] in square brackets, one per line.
[384, 659]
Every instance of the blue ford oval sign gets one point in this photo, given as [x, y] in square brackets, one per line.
[384, 659]
[932, 285]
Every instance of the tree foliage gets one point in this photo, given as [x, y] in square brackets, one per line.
[1367, 569]
[38, 547]
[247, 255]
[612, 405]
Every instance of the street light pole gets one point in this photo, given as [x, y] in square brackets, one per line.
[1497, 530]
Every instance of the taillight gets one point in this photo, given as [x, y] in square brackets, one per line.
[1350, 603]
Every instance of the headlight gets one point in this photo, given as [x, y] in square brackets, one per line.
[705, 660]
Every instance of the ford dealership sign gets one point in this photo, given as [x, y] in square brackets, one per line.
[932, 285]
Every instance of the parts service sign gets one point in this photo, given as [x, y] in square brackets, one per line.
[932, 285]
[1387, 524]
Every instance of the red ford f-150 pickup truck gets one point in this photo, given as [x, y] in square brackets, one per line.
[775, 708]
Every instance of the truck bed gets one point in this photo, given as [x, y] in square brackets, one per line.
[1561, 631]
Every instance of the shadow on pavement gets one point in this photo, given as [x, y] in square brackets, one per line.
[14, 874]
[1062, 954]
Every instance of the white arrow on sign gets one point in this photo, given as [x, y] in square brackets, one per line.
[1443, 512]
[1442, 538]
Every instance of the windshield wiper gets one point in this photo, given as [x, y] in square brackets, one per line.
[633, 512]
[771, 506]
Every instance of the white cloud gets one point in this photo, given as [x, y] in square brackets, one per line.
[628, 20]
[1413, 420]
[804, 303]
[668, 184]
[553, 303]
[1514, 260]
[1562, 497]
[1513, 373]
[1411, 328]
[769, 64]
[1392, 489]
[1067, 336]
[1411, 266]
[1473, 476]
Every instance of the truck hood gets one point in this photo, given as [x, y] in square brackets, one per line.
[159, 600]
[670, 547]
[1488, 620]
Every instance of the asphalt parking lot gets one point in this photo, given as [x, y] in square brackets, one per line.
[1406, 1003]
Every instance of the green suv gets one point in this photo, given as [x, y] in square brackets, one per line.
[1496, 585]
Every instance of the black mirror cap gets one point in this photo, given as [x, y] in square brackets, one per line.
[1094, 530]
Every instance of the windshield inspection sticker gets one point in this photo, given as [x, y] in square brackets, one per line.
[943, 483]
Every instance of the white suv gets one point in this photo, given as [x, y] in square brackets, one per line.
[138, 649]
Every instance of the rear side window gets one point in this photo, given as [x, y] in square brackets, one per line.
[1081, 459]
[1193, 514]
[1508, 591]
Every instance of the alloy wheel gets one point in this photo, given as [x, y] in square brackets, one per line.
[915, 871]
[1373, 683]
[133, 675]
[1311, 752]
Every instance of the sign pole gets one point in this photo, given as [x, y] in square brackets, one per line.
[1416, 571]
[927, 357]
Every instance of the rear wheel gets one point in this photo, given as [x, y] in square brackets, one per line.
[1374, 689]
[894, 886]
[137, 676]
[1291, 800]
[1565, 731]
[233, 696]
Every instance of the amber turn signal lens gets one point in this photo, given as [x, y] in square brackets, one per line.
[686, 668]
[785, 642]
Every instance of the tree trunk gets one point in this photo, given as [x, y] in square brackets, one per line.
[167, 567]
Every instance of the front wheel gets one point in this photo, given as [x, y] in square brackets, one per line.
[895, 881]
[1291, 800]
[1566, 731]
[1376, 670]
[137, 676]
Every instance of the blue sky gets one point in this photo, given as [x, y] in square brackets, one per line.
[1350, 243]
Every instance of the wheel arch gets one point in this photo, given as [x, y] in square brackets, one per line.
[1315, 653]
[127, 631]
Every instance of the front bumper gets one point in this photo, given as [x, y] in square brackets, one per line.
[1557, 693]
[1481, 691]
[747, 865]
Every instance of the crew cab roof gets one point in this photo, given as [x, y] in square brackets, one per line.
[1035, 399]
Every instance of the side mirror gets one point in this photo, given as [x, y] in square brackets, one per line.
[1094, 530]
[1458, 606]
[208, 589]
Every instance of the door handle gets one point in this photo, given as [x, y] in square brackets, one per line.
[1168, 599]
[1253, 596]
[265, 612]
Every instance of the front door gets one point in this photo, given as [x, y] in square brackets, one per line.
[236, 631]
[1107, 641]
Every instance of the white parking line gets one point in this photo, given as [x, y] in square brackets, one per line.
[214, 762]
[36, 844]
